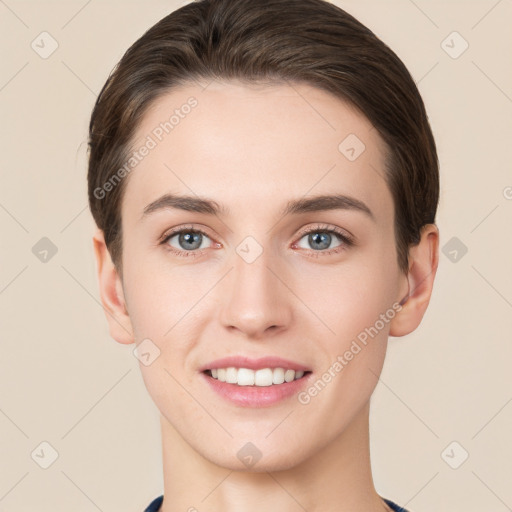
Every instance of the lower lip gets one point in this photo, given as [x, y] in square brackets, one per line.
[257, 396]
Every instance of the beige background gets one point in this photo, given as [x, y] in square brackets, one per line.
[64, 381]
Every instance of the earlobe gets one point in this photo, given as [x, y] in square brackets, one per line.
[111, 292]
[423, 262]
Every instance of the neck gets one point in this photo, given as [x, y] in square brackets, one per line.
[336, 478]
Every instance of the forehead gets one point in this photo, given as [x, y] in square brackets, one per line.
[254, 147]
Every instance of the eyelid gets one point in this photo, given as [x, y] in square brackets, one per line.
[187, 227]
[320, 227]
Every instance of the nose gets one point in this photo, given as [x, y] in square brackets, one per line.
[255, 297]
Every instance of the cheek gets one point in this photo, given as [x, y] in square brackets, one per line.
[169, 305]
[149, 298]
[343, 299]
[161, 309]
[356, 305]
[156, 306]
[347, 299]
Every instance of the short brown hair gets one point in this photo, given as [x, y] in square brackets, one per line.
[271, 41]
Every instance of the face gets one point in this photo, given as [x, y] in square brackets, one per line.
[270, 274]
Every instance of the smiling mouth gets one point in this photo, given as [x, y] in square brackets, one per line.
[256, 378]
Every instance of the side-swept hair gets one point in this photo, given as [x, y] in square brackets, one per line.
[270, 41]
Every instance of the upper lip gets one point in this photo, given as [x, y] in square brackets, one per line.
[254, 364]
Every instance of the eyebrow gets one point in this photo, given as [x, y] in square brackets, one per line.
[304, 205]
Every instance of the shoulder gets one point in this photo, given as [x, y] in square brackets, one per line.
[154, 506]
[394, 506]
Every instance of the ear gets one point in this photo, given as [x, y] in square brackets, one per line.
[423, 261]
[111, 293]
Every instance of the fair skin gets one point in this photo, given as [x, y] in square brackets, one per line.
[253, 149]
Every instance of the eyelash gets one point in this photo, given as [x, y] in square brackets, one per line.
[347, 241]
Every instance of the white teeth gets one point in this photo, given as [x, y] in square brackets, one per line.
[245, 377]
[262, 377]
[289, 375]
[231, 375]
[278, 376]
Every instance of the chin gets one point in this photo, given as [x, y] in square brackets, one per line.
[247, 457]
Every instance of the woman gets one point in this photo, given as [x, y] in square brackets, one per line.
[265, 181]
